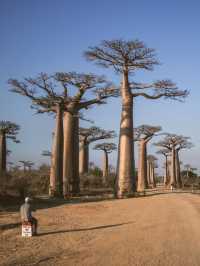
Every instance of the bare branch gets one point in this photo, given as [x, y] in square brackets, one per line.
[121, 54]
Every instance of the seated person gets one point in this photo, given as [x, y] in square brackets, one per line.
[26, 214]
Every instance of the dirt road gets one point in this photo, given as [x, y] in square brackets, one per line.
[156, 230]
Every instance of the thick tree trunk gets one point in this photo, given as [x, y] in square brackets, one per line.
[125, 182]
[178, 172]
[56, 176]
[148, 173]
[2, 154]
[166, 177]
[83, 157]
[71, 155]
[153, 176]
[142, 168]
[68, 151]
[76, 178]
[173, 168]
[105, 167]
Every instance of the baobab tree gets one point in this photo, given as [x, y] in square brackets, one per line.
[126, 57]
[41, 91]
[144, 134]
[26, 164]
[8, 130]
[11, 165]
[174, 143]
[151, 161]
[166, 154]
[106, 148]
[187, 168]
[87, 136]
[62, 93]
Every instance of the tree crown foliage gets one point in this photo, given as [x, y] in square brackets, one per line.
[107, 147]
[92, 134]
[27, 163]
[64, 89]
[164, 152]
[145, 132]
[173, 141]
[129, 56]
[46, 153]
[10, 130]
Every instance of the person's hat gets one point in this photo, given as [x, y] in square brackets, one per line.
[27, 199]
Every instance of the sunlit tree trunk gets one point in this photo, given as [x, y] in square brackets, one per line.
[142, 168]
[178, 172]
[56, 175]
[125, 176]
[105, 167]
[67, 152]
[153, 176]
[2, 154]
[70, 155]
[83, 157]
[173, 168]
[166, 177]
[76, 178]
[148, 173]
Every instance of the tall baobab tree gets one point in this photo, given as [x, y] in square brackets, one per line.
[174, 143]
[106, 148]
[62, 93]
[126, 57]
[8, 130]
[144, 134]
[166, 154]
[87, 136]
[151, 160]
[41, 91]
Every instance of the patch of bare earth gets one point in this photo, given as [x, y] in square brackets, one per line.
[156, 230]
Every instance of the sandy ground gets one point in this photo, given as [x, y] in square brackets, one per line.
[162, 230]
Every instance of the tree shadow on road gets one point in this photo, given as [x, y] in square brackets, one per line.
[84, 229]
[13, 204]
[155, 193]
[9, 226]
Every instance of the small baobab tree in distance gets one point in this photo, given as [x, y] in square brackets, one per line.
[144, 134]
[166, 154]
[126, 57]
[26, 164]
[174, 143]
[87, 136]
[187, 168]
[106, 148]
[151, 160]
[8, 130]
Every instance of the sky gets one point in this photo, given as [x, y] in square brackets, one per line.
[51, 35]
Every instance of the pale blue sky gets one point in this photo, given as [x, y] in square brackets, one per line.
[48, 36]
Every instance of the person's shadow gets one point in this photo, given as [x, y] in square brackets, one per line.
[83, 229]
